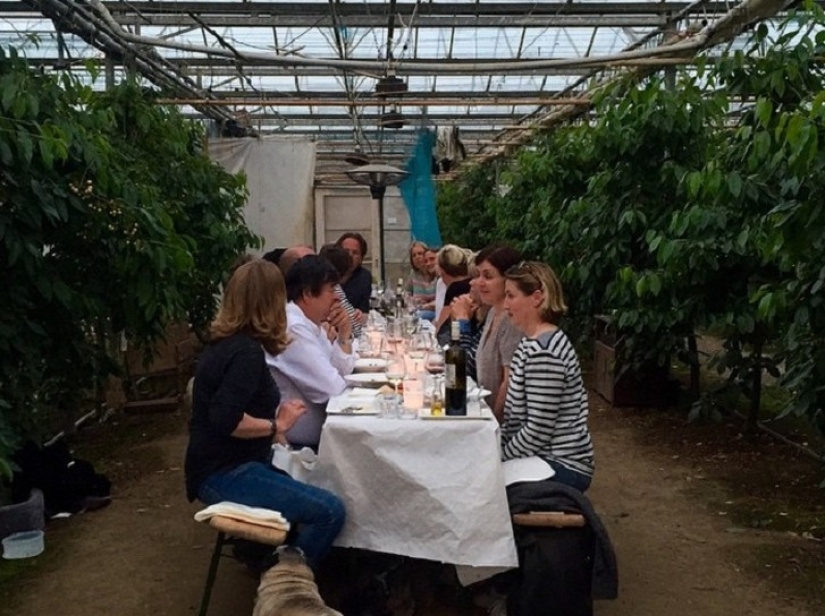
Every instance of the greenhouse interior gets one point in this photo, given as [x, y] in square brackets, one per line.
[238, 236]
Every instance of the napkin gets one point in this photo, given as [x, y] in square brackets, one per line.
[526, 469]
[244, 513]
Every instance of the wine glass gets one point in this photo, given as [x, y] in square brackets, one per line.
[395, 369]
[434, 362]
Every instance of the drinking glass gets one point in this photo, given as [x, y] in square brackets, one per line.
[435, 396]
[395, 369]
[389, 406]
[413, 397]
[434, 363]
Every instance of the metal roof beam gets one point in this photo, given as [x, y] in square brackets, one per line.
[287, 101]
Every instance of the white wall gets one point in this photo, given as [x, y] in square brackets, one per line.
[279, 175]
[343, 208]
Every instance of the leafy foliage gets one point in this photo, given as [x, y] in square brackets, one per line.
[686, 205]
[112, 222]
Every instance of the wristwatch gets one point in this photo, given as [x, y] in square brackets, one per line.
[273, 428]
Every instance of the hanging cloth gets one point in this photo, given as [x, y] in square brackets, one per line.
[418, 192]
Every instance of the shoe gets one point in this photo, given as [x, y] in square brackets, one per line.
[489, 598]
[499, 608]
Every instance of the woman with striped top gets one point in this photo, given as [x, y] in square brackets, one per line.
[545, 411]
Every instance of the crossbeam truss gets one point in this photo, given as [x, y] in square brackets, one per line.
[498, 70]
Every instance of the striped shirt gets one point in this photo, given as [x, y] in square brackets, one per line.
[356, 324]
[545, 412]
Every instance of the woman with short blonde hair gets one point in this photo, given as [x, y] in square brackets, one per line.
[454, 265]
[545, 410]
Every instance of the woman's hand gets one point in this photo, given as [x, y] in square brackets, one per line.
[462, 307]
[288, 413]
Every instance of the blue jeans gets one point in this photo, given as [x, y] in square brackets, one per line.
[570, 477]
[318, 514]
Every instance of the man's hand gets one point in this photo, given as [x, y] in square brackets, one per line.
[339, 319]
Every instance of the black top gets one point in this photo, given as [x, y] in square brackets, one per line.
[358, 289]
[232, 379]
[456, 289]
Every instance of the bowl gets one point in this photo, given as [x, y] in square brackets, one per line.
[23, 545]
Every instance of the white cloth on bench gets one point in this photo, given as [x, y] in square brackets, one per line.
[244, 513]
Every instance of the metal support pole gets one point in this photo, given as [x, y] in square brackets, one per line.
[377, 192]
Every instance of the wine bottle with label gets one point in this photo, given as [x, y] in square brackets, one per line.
[455, 375]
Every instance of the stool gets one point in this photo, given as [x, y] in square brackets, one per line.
[229, 530]
[556, 551]
[549, 519]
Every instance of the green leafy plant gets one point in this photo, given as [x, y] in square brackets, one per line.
[113, 222]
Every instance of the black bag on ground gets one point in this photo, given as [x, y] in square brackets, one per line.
[561, 570]
[68, 484]
[555, 572]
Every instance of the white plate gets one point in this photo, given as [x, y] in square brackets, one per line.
[370, 364]
[352, 405]
[425, 414]
[354, 409]
[373, 379]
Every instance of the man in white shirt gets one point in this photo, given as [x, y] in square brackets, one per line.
[320, 351]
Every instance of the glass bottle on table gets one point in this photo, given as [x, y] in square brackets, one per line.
[399, 301]
[455, 375]
[436, 396]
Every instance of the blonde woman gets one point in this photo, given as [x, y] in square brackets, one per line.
[454, 267]
[545, 412]
[237, 413]
[421, 282]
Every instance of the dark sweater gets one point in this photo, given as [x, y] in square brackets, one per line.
[358, 289]
[231, 379]
[550, 495]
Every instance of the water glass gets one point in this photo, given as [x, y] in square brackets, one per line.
[413, 398]
[389, 405]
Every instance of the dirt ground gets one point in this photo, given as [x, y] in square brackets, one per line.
[688, 526]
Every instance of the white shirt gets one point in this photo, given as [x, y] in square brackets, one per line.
[311, 368]
[440, 294]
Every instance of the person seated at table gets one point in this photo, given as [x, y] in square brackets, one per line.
[453, 267]
[320, 353]
[238, 411]
[470, 313]
[341, 260]
[290, 255]
[500, 337]
[545, 413]
[420, 284]
[357, 284]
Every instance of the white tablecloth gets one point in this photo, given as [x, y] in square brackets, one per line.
[431, 489]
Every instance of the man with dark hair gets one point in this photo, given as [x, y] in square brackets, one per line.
[358, 283]
[320, 351]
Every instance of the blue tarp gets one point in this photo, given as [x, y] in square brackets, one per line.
[418, 192]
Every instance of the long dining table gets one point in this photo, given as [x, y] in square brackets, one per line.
[423, 488]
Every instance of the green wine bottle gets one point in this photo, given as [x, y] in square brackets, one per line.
[455, 375]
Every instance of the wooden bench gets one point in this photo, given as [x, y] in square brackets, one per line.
[229, 531]
[549, 519]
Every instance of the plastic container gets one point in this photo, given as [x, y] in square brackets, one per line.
[23, 545]
[21, 517]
